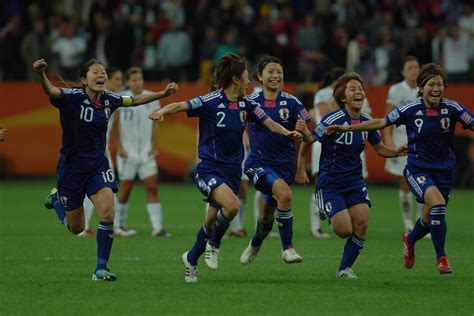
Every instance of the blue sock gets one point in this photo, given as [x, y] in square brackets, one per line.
[438, 228]
[199, 245]
[262, 231]
[218, 229]
[285, 226]
[352, 249]
[104, 239]
[60, 212]
[419, 231]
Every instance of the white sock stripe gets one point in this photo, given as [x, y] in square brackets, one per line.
[415, 185]
[284, 215]
[357, 241]
[109, 228]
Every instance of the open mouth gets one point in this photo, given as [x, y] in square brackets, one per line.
[100, 82]
[358, 99]
[435, 94]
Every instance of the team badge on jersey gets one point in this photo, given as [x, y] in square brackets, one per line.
[107, 112]
[195, 103]
[393, 116]
[283, 103]
[444, 111]
[320, 129]
[445, 123]
[106, 102]
[241, 104]
[421, 179]
[466, 118]
[212, 182]
[284, 114]
[328, 207]
[243, 116]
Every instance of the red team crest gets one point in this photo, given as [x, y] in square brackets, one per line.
[445, 123]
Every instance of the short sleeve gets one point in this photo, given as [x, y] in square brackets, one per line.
[464, 116]
[67, 94]
[395, 117]
[115, 100]
[255, 112]
[195, 107]
[392, 96]
[374, 137]
[303, 113]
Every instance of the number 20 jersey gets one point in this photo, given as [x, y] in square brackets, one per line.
[430, 132]
[340, 165]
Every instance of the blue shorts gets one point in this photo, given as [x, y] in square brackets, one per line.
[209, 176]
[420, 180]
[331, 201]
[263, 178]
[73, 187]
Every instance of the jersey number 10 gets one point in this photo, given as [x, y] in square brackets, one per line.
[87, 114]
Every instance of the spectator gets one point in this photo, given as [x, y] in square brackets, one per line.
[99, 44]
[228, 46]
[175, 52]
[36, 45]
[11, 63]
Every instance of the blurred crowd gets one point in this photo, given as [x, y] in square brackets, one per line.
[182, 39]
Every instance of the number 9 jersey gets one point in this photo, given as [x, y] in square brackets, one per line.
[430, 132]
[340, 164]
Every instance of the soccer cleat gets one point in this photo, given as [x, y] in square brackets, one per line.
[190, 272]
[86, 233]
[408, 253]
[347, 273]
[319, 233]
[103, 275]
[291, 256]
[160, 233]
[51, 198]
[211, 257]
[124, 232]
[443, 265]
[250, 254]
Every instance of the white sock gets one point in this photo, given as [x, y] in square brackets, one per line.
[156, 216]
[256, 206]
[120, 209]
[406, 207]
[235, 224]
[88, 209]
[314, 214]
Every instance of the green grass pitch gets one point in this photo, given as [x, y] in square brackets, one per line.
[46, 270]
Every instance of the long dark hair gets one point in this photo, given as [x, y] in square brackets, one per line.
[331, 76]
[229, 66]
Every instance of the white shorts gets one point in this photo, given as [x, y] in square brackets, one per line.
[128, 168]
[315, 156]
[396, 165]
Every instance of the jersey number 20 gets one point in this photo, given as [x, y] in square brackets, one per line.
[345, 138]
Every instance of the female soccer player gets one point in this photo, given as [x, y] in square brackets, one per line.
[222, 118]
[114, 84]
[270, 165]
[341, 191]
[83, 168]
[430, 122]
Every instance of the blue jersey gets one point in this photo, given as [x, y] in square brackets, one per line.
[430, 132]
[84, 127]
[268, 148]
[222, 124]
[340, 164]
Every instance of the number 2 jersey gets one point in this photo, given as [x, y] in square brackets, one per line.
[221, 126]
[430, 132]
[268, 148]
[84, 127]
[340, 166]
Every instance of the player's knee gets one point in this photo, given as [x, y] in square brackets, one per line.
[284, 197]
[233, 207]
[76, 229]
[344, 233]
[361, 227]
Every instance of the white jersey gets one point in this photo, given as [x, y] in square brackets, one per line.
[136, 129]
[398, 95]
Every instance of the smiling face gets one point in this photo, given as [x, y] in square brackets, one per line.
[354, 95]
[271, 77]
[96, 78]
[433, 91]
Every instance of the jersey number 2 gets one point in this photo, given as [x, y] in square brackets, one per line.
[222, 117]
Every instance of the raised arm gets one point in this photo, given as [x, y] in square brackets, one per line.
[370, 125]
[277, 128]
[40, 66]
[150, 97]
[389, 152]
[169, 109]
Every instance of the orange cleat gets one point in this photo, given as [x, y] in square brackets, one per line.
[409, 252]
[443, 265]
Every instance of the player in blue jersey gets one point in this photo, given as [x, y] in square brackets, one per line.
[341, 191]
[270, 165]
[223, 115]
[83, 168]
[430, 122]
